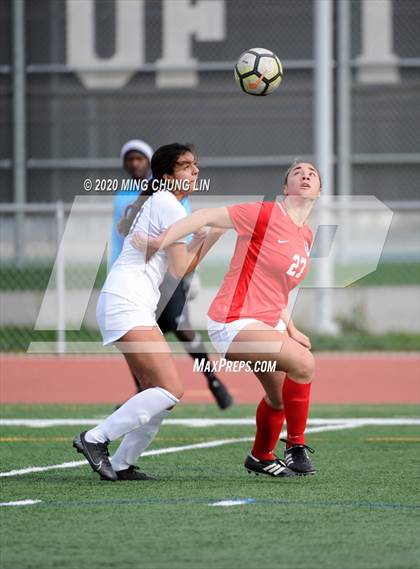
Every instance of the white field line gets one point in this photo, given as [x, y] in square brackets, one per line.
[32, 469]
[227, 503]
[155, 452]
[169, 450]
[45, 423]
[21, 503]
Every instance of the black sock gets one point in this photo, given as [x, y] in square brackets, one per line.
[197, 351]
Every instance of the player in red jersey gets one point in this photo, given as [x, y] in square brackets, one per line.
[248, 319]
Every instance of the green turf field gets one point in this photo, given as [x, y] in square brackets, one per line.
[360, 511]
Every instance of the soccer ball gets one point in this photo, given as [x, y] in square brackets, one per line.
[259, 71]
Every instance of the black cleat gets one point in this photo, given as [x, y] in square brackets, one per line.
[97, 456]
[274, 467]
[132, 473]
[297, 459]
[223, 398]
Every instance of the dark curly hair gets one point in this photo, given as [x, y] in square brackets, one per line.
[163, 162]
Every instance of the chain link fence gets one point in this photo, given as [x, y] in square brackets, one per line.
[45, 300]
[74, 130]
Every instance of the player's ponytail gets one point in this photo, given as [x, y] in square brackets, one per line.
[163, 162]
[132, 210]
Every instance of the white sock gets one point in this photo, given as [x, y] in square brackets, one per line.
[135, 412]
[136, 442]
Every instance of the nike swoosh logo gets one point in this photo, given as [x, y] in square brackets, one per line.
[280, 241]
[96, 465]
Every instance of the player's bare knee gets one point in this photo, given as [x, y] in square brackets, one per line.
[305, 368]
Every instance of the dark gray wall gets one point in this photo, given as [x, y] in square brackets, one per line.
[64, 120]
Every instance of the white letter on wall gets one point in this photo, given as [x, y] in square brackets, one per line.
[129, 44]
[378, 63]
[181, 19]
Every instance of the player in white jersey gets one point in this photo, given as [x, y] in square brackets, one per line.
[172, 311]
[126, 314]
[133, 280]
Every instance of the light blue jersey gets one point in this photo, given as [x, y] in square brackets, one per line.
[121, 201]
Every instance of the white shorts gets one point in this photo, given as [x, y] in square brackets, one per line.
[117, 315]
[222, 334]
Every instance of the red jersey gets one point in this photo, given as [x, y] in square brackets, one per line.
[271, 258]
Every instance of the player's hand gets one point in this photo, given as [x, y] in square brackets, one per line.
[140, 240]
[145, 243]
[198, 238]
[201, 233]
[300, 338]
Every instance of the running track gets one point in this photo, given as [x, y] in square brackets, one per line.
[340, 378]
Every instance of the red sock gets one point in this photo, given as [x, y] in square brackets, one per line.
[269, 424]
[296, 408]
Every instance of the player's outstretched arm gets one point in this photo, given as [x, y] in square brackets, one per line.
[214, 217]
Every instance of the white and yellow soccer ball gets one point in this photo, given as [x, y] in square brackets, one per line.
[259, 71]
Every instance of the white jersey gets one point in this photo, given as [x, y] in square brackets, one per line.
[130, 276]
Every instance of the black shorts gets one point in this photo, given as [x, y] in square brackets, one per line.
[172, 311]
